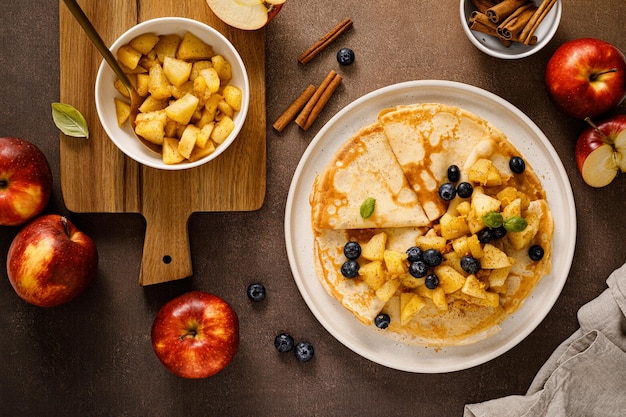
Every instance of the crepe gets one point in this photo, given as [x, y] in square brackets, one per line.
[414, 146]
[365, 167]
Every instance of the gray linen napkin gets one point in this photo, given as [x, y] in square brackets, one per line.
[586, 374]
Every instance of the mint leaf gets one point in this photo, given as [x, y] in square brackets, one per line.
[515, 224]
[493, 219]
[367, 208]
[69, 120]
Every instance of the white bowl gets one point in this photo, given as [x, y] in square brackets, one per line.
[494, 47]
[123, 137]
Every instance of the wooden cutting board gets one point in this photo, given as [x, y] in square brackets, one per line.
[98, 178]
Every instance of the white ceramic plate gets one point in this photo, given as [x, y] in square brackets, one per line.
[341, 323]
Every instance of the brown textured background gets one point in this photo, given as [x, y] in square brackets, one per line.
[93, 355]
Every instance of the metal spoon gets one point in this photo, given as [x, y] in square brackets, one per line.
[85, 23]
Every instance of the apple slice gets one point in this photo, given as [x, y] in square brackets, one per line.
[246, 14]
[600, 151]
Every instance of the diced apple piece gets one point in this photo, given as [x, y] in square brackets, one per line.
[520, 240]
[481, 204]
[158, 85]
[188, 140]
[223, 68]
[151, 130]
[450, 280]
[203, 136]
[431, 242]
[439, 299]
[424, 291]
[182, 109]
[372, 274]
[463, 208]
[121, 88]
[170, 151]
[167, 46]
[193, 48]
[151, 104]
[453, 259]
[507, 195]
[453, 226]
[177, 71]
[224, 109]
[493, 177]
[142, 84]
[128, 56]
[475, 247]
[212, 79]
[199, 153]
[122, 111]
[514, 208]
[411, 307]
[144, 42]
[182, 90]
[497, 277]
[374, 249]
[479, 171]
[222, 129]
[460, 246]
[494, 258]
[147, 61]
[474, 287]
[388, 289]
[395, 262]
[233, 96]
[410, 281]
[197, 67]
[491, 299]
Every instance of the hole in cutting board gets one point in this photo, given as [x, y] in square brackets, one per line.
[167, 259]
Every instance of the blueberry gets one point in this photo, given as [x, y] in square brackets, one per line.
[352, 250]
[517, 165]
[432, 281]
[454, 173]
[498, 232]
[535, 252]
[447, 191]
[256, 292]
[350, 268]
[464, 190]
[418, 269]
[432, 257]
[414, 254]
[283, 342]
[382, 321]
[485, 235]
[345, 56]
[304, 351]
[470, 264]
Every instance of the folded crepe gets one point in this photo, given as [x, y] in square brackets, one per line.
[365, 168]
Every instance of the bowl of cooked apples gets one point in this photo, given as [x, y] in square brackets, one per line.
[194, 93]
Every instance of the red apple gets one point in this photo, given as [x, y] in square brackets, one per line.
[586, 77]
[195, 335]
[25, 181]
[601, 151]
[246, 14]
[50, 261]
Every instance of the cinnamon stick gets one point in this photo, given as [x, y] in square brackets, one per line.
[483, 5]
[321, 103]
[515, 23]
[480, 23]
[499, 12]
[293, 110]
[527, 33]
[306, 111]
[324, 41]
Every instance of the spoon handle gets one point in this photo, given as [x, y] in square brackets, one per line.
[95, 38]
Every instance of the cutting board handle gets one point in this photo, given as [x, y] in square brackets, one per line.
[166, 252]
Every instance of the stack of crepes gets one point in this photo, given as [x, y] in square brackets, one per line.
[400, 160]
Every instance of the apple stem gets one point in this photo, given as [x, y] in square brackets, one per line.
[604, 137]
[190, 333]
[65, 226]
[597, 75]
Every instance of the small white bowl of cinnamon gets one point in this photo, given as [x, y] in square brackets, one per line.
[510, 29]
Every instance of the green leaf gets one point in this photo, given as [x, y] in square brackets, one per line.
[493, 219]
[367, 208]
[515, 224]
[69, 120]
